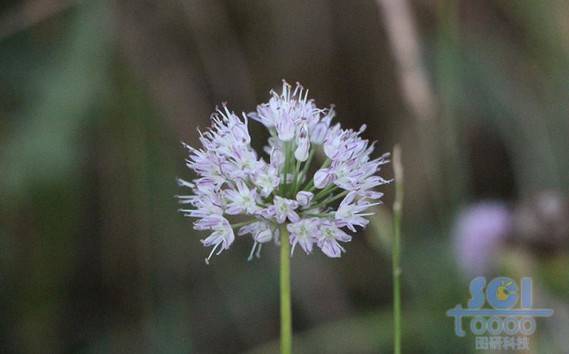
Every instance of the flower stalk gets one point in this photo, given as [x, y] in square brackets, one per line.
[286, 313]
[396, 248]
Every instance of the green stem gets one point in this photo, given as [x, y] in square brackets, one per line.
[330, 199]
[308, 161]
[286, 314]
[396, 249]
[295, 179]
[239, 224]
[284, 171]
[323, 193]
[304, 169]
[309, 187]
[318, 215]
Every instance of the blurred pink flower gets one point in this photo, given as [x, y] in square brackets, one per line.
[478, 234]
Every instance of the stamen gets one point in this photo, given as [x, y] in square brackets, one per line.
[211, 253]
[252, 251]
[259, 250]
[292, 248]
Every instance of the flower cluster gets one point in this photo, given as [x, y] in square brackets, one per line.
[239, 190]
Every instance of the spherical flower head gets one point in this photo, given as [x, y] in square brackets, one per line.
[236, 188]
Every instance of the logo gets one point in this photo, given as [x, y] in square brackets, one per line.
[501, 314]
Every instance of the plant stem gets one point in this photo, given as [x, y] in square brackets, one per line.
[309, 187]
[239, 224]
[330, 199]
[295, 179]
[331, 188]
[396, 248]
[304, 169]
[282, 187]
[286, 314]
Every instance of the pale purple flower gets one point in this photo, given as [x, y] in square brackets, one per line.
[277, 157]
[359, 174]
[479, 234]
[328, 239]
[285, 128]
[323, 177]
[222, 233]
[304, 198]
[237, 188]
[303, 145]
[285, 209]
[319, 130]
[352, 213]
[241, 200]
[303, 233]
[343, 145]
[267, 179]
[262, 232]
[288, 106]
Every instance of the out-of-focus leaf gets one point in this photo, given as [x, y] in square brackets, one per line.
[44, 146]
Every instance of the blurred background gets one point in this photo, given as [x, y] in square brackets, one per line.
[95, 97]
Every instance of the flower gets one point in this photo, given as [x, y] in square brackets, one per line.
[479, 234]
[304, 198]
[262, 232]
[236, 188]
[242, 200]
[222, 233]
[328, 236]
[302, 233]
[349, 213]
[283, 209]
